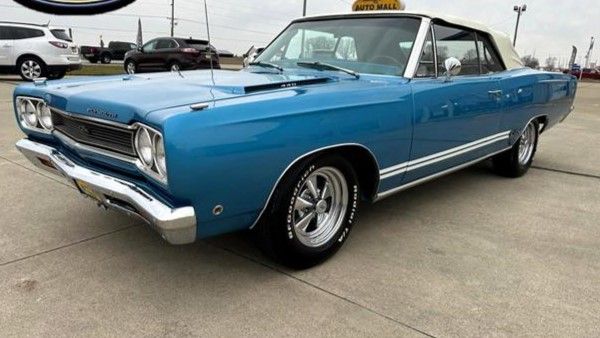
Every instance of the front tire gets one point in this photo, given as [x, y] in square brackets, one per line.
[174, 67]
[517, 161]
[311, 212]
[57, 74]
[31, 68]
[130, 67]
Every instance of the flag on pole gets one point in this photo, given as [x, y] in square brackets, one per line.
[139, 40]
[573, 58]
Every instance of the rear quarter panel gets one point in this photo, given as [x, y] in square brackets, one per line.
[529, 93]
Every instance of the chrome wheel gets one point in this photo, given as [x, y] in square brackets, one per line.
[130, 68]
[31, 69]
[320, 207]
[527, 144]
[175, 67]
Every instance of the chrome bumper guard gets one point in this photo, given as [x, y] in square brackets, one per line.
[176, 226]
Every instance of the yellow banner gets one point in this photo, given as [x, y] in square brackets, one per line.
[378, 5]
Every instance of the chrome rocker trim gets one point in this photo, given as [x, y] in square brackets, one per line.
[176, 226]
[442, 156]
[412, 184]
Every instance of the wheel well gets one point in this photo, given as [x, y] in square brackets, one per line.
[542, 121]
[364, 163]
[31, 56]
[106, 53]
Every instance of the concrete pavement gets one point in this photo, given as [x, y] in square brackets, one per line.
[471, 254]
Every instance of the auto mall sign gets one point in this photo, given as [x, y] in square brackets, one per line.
[74, 7]
[378, 5]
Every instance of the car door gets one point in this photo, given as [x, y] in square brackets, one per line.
[6, 47]
[457, 119]
[147, 59]
[166, 48]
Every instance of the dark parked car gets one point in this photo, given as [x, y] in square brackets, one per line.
[116, 51]
[172, 54]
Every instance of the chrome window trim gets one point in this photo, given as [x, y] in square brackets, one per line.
[415, 56]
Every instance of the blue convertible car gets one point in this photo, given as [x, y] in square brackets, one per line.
[336, 111]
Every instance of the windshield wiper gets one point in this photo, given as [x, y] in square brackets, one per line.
[326, 66]
[266, 65]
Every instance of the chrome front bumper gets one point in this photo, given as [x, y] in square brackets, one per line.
[176, 226]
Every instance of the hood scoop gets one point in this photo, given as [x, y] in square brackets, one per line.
[280, 85]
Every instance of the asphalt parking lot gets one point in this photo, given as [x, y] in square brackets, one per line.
[471, 254]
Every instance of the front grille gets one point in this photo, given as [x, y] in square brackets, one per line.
[95, 134]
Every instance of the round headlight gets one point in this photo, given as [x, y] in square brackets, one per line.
[44, 115]
[143, 143]
[29, 113]
[159, 155]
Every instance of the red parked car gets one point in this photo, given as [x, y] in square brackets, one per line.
[588, 73]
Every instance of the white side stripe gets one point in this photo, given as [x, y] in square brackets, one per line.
[441, 156]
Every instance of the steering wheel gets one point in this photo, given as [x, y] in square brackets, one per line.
[385, 59]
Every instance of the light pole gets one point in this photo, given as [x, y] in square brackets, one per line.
[519, 10]
[304, 9]
[172, 18]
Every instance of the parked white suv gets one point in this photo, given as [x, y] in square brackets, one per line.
[36, 51]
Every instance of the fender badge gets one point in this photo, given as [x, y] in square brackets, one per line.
[74, 7]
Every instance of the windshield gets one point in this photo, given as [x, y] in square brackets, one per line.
[61, 34]
[364, 45]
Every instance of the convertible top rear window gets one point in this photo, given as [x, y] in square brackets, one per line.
[364, 45]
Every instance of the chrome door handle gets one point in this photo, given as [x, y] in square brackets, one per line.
[495, 94]
[5, 46]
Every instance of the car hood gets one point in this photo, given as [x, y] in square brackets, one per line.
[129, 98]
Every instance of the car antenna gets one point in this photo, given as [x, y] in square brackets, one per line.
[209, 47]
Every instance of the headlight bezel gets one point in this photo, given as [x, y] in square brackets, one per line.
[157, 168]
[27, 107]
[44, 115]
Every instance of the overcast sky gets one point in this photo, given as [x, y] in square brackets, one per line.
[548, 28]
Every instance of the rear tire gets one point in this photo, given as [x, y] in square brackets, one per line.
[516, 161]
[311, 212]
[105, 59]
[31, 68]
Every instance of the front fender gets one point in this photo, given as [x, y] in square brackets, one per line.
[231, 156]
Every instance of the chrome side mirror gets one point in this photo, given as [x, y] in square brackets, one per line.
[453, 67]
[250, 55]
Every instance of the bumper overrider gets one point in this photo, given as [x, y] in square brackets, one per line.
[176, 226]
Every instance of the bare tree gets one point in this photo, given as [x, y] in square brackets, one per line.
[550, 64]
[531, 61]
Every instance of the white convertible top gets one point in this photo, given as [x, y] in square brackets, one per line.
[507, 52]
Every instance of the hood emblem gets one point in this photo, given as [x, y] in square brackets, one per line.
[102, 113]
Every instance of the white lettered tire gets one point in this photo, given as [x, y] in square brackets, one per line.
[516, 161]
[311, 213]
